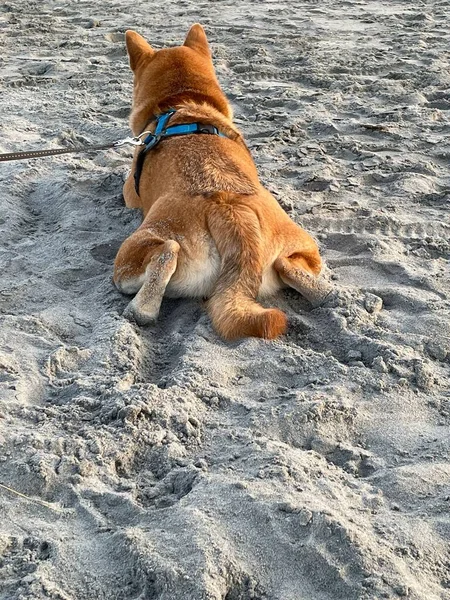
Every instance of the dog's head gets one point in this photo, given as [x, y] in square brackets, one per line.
[167, 77]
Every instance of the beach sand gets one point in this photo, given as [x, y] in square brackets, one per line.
[163, 463]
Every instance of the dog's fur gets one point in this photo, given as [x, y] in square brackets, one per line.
[210, 228]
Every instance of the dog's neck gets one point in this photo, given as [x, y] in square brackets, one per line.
[185, 98]
[196, 97]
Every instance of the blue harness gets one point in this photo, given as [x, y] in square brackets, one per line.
[162, 132]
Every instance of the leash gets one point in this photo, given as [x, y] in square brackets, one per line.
[134, 141]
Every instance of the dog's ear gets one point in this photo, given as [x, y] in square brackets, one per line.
[196, 39]
[137, 48]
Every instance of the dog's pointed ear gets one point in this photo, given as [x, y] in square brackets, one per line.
[196, 39]
[137, 48]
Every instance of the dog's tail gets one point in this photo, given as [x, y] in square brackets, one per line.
[234, 311]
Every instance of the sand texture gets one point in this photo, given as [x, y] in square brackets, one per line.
[161, 463]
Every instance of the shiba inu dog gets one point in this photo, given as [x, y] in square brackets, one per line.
[210, 229]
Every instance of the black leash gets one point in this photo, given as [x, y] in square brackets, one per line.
[134, 141]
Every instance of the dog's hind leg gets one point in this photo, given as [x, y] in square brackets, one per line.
[144, 308]
[145, 264]
[300, 271]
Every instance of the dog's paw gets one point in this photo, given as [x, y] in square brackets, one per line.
[135, 314]
[325, 297]
[336, 297]
[320, 292]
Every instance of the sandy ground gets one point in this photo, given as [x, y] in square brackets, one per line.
[162, 463]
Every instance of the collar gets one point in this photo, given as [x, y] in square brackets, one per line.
[162, 131]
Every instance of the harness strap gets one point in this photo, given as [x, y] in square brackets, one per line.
[161, 132]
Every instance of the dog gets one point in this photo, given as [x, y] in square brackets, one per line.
[210, 229]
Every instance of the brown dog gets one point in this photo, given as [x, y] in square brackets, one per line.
[210, 228]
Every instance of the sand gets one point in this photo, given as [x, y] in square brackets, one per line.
[160, 462]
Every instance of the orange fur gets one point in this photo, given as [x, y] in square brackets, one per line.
[210, 229]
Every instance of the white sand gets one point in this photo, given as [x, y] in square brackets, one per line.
[176, 466]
